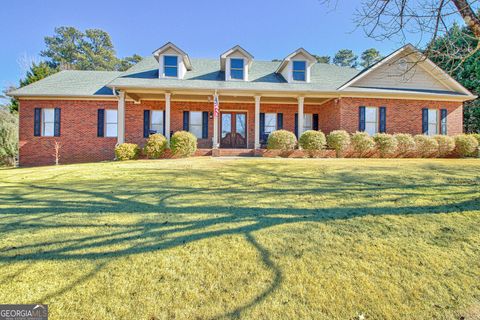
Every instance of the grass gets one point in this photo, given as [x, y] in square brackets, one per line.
[244, 238]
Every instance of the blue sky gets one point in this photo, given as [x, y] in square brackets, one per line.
[268, 29]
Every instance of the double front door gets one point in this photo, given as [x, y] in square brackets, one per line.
[233, 130]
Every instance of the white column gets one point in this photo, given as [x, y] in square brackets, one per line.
[167, 116]
[215, 144]
[257, 122]
[300, 116]
[121, 118]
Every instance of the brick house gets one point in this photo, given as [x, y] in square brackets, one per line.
[89, 112]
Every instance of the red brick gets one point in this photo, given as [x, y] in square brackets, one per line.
[79, 141]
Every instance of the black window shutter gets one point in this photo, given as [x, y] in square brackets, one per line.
[443, 121]
[279, 121]
[383, 120]
[186, 120]
[262, 128]
[315, 122]
[146, 123]
[163, 129]
[296, 125]
[425, 120]
[56, 124]
[361, 118]
[37, 122]
[100, 122]
[204, 124]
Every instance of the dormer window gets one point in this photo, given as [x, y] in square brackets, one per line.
[236, 63]
[236, 68]
[172, 61]
[299, 70]
[170, 66]
[296, 67]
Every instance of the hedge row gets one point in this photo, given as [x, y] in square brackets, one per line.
[182, 144]
[386, 145]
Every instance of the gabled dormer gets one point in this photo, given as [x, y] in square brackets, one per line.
[296, 66]
[236, 62]
[173, 62]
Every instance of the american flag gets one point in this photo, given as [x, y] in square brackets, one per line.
[215, 104]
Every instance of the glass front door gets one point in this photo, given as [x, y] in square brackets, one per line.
[233, 130]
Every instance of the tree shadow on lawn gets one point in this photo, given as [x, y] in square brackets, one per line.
[220, 218]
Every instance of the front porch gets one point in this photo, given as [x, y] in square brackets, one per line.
[242, 123]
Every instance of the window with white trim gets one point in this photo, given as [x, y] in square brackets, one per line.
[170, 66]
[371, 120]
[237, 68]
[196, 123]
[307, 121]
[111, 123]
[432, 122]
[270, 122]
[299, 71]
[156, 121]
[48, 122]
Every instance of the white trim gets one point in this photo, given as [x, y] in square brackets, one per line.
[169, 45]
[284, 63]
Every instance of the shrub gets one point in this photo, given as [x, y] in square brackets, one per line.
[405, 142]
[338, 140]
[465, 145]
[425, 145]
[446, 145]
[127, 151]
[8, 137]
[183, 144]
[155, 146]
[362, 142]
[476, 136]
[281, 140]
[312, 141]
[386, 143]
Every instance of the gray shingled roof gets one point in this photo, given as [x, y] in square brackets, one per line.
[206, 74]
[71, 83]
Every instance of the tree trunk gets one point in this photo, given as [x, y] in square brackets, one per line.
[470, 18]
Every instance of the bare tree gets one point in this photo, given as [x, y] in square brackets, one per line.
[57, 146]
[394, 19]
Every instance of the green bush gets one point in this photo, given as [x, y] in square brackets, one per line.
[8, 137]
[446, 145]
[362, 143]
[155, 146]
[183, 144]
[338, 140]
[312, 141]
[465, 145]
[405, 143]
[281, 140]
[127, 151]
[425, 146]
[386, 143]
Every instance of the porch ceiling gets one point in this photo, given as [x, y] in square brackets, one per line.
[138, 96]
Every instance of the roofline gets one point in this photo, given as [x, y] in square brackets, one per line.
[393, 54]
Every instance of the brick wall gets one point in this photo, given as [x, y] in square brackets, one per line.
[79, 141]
[78, 138]
[403, 116]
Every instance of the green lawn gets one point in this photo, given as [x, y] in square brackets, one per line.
[247, 238]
